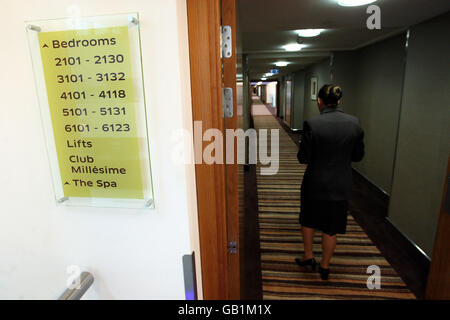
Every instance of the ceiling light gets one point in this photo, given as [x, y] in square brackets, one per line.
[293, 47]
[354, 3]
[259, 83]
[307, 33]
[268, 74]
[281, 63]
[264, 79]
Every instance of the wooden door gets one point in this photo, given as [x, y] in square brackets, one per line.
[229, 81]
[438, 286]
[217, 198]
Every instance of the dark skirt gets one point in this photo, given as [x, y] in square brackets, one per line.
[329, 217]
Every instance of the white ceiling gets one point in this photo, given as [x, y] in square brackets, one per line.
[267, 25]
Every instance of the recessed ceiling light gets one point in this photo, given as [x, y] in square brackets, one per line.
[263, 79]
[293, 47]
[307, 33]
[354, 3]
[281, 63]
[268, 74]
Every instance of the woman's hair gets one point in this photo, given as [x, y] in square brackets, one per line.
[330, 95]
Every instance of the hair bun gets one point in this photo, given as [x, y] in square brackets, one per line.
[330, 94]
[337, 92]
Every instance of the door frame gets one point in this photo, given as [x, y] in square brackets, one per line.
[438, 284]
[228, 18]
[216, 199]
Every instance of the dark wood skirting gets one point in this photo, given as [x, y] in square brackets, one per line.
[251, 277]
[364, 189]
[369, 207]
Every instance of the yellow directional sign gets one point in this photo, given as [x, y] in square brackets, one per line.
[89, 82]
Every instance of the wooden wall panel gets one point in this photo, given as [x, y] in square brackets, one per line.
[206, 83]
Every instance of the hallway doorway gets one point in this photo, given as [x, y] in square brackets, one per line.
[280, 238]
[292, 49]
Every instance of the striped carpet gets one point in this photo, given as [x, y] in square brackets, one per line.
[281, 241]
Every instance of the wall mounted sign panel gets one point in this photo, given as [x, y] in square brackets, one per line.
[89, 82]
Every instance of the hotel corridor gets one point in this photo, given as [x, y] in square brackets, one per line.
[281, 239]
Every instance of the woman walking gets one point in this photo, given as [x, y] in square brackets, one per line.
[330, 142]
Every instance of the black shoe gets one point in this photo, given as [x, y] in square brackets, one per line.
[310, 262]
[324, 273]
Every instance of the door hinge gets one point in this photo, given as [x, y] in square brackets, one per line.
[232, 247]
[226, 43]
[227, 102]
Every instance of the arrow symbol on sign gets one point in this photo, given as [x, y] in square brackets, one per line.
[45, 46]
[66, 183]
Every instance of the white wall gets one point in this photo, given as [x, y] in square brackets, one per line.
[239, 97]
[271, 93]
[134, 254]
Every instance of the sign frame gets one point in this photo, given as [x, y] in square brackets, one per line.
[130, 20]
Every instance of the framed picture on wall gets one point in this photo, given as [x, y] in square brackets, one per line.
[314, 88]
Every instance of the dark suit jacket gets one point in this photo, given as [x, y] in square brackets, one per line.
[329, 144]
